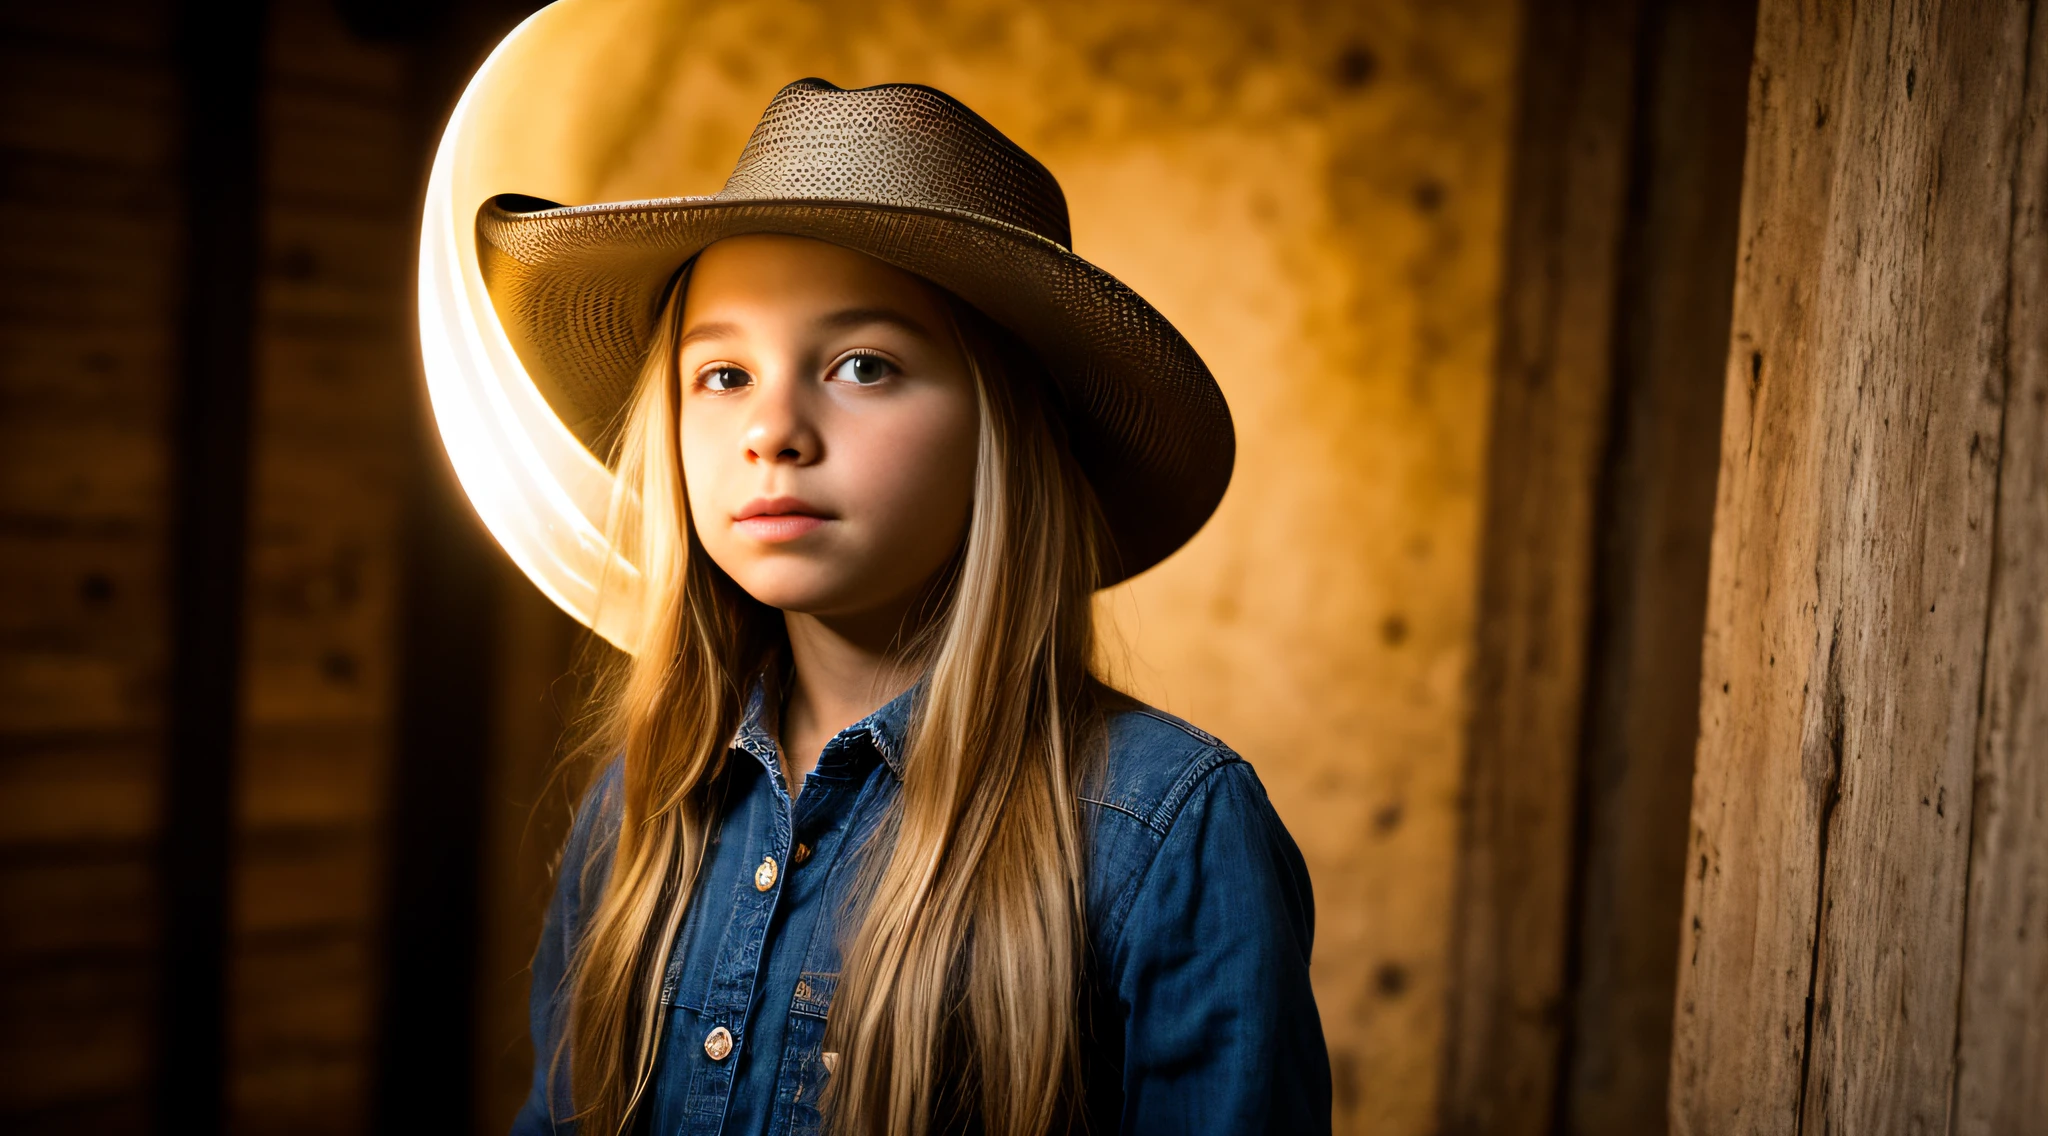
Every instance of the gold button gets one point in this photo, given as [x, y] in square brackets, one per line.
[798, 855]
[764, 876]
[803, 990]
[718, 1043]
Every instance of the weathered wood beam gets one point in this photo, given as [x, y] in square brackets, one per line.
[1654, 527]
[220, 64]
[1550, 411]
[1873, 652]
[2002, 1043]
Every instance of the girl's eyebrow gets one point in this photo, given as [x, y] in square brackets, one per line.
[708, 331]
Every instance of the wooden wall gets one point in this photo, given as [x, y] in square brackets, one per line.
[89, 305]
[1593, 560]
[332, 457]
[1674, 288]
[1553, 382]
[1863, 936]
[97, 313]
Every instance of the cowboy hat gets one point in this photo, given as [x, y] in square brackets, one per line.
[910, 176]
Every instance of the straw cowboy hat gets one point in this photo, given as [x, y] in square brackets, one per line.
[910, 176]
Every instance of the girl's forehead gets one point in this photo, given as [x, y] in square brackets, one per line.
[773, 271]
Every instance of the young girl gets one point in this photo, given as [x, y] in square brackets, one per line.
[878, 854]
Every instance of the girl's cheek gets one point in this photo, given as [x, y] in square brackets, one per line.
[909, 470]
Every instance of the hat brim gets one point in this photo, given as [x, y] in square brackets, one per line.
[578, 290]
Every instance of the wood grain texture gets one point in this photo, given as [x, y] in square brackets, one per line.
[1844, 660]
[88, 301]
[335, 392]
[1551, 389]
[1655, 527]
[2002, 1047]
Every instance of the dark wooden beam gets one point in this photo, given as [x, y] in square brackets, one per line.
[1655, 526]
[435, 884]
[1624, 194]
[220, 61]
[1552, 384]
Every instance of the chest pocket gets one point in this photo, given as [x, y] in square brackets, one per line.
[804, 1050]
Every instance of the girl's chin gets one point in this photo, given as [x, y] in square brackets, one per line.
[812, 589]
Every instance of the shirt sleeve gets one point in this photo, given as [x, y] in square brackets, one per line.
[592, 835]
[1212, 967]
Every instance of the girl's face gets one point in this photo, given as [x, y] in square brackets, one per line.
[829, 424]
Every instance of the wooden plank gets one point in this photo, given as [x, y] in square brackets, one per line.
[335, 383]
[309, 45]
[1549, 414]
[87, 300]
[320, 775]
[92, 1036]
[102, 789]
[350, 391]
[73, 375]
[349, 154]
[91, 592]
[321, 624]
[90, 898]
[2002, 1048]
[86, 475]
[289, 880]
[301, 1031]
[1845, 641]
[134, 28]
[324, 261]
[1656, 523]
[88, 101]
[46, 692]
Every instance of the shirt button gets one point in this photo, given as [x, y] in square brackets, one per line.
[764, 876]
[718, 1043]
[798, 855]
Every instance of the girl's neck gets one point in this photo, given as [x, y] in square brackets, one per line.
[843, 670]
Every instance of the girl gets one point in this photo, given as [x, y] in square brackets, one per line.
[878, 854]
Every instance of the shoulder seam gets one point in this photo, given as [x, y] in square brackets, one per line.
[1197, 772]
[1170, 802]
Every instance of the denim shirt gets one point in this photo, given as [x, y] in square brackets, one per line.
[1199, 922]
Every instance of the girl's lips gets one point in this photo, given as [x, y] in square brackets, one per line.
[776, 519]
[774, 528]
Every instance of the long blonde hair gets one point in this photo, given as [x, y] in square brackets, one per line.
[961, 989]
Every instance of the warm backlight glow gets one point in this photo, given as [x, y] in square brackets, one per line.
[540, 492]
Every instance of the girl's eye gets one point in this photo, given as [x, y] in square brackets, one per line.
[862, 370]
[724, 378]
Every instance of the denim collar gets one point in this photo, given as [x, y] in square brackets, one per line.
[886, 729]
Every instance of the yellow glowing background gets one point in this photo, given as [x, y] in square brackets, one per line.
[1313, 195]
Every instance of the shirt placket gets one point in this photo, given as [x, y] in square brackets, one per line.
[738, 966]
[803, 1061]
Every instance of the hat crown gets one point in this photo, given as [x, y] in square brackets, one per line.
[898, 145]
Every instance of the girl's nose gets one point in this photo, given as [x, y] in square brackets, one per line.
[778, 427]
